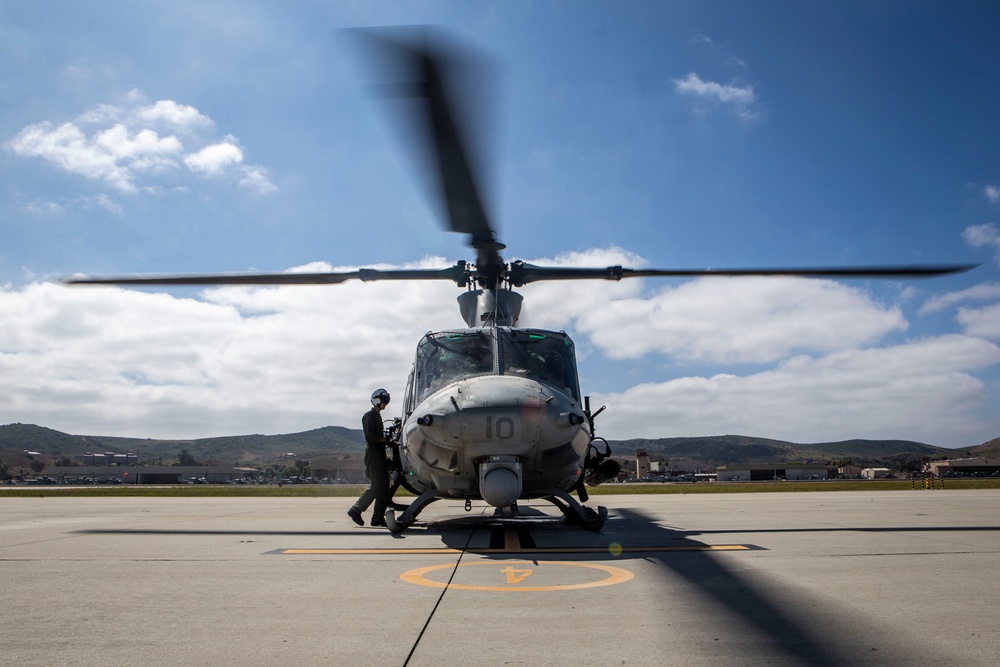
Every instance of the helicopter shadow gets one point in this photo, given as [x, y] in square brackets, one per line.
[532, 534]
[796, 626]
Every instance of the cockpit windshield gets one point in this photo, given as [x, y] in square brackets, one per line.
[443, 358]
[545, 356]
[450, 356]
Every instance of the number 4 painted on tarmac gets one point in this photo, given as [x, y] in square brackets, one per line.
[516, 576]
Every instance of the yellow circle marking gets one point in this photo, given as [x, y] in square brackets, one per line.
[513, 576]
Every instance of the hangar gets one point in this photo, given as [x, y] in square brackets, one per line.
[791, 471]
[350, 469]
[960, 467]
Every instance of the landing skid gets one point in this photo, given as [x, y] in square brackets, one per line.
[576, 513]
[573, 511]
[409, 515]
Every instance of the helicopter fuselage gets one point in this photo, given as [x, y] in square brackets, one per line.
[494, 413]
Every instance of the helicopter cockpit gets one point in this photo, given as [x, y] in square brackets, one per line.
[545, 356]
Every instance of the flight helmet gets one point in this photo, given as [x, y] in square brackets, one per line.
[380, 397]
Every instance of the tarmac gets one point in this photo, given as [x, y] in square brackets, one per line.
[815, 578]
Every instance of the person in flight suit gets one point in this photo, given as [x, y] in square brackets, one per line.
[376, 464]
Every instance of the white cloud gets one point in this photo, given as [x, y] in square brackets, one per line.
[256, 179]
[746, 320]
[992, 193]
[975, 293]
[692, 84]
[179, 116]
[214, 159]
[111, 155]
[921, 390]
[983, 322]
[131, 145]
[234, 359]
[144, 150]
[980, 236]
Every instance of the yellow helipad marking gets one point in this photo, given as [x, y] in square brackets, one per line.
[372, 552]
[509, 577]
[538, 550]
[516, 576]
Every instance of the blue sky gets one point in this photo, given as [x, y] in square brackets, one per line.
[214, 137]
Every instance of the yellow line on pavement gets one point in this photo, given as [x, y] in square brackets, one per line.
[520, 550]
[372, 552]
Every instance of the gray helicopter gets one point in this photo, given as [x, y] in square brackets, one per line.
[491, 412]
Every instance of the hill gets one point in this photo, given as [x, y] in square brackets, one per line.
[251, 449]
[732, 449]
[260, 450]
[988, 450]
[239, 449]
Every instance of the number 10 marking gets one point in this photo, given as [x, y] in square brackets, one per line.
[504, 428]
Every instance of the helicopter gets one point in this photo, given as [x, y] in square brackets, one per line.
[491, 412]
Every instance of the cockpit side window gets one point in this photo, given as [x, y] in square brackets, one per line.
[544, 356]
[408, 396]
[443, 358]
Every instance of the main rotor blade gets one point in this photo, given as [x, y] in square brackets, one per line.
[455, 273]
[427, 68]
[522, 274]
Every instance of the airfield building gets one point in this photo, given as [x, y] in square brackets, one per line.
[964, 467]
[641, 463]
[109, 458]
[152, 474]
[678, 466]
[351, 469]
[790, 471]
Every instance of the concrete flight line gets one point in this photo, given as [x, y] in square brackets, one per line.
[513, 542]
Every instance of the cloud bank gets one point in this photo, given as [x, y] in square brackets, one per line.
[236, 360]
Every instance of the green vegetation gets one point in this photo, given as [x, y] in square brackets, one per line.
[189, 491]
[792, 487]
[352, 490]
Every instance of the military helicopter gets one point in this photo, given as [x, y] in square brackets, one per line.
[491, 411]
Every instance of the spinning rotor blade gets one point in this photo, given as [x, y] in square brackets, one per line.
[522, 274]
[425, 70]
[455, 273]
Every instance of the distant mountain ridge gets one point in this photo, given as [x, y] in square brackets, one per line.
[247, 449]
[257, 449]
[732, 449]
